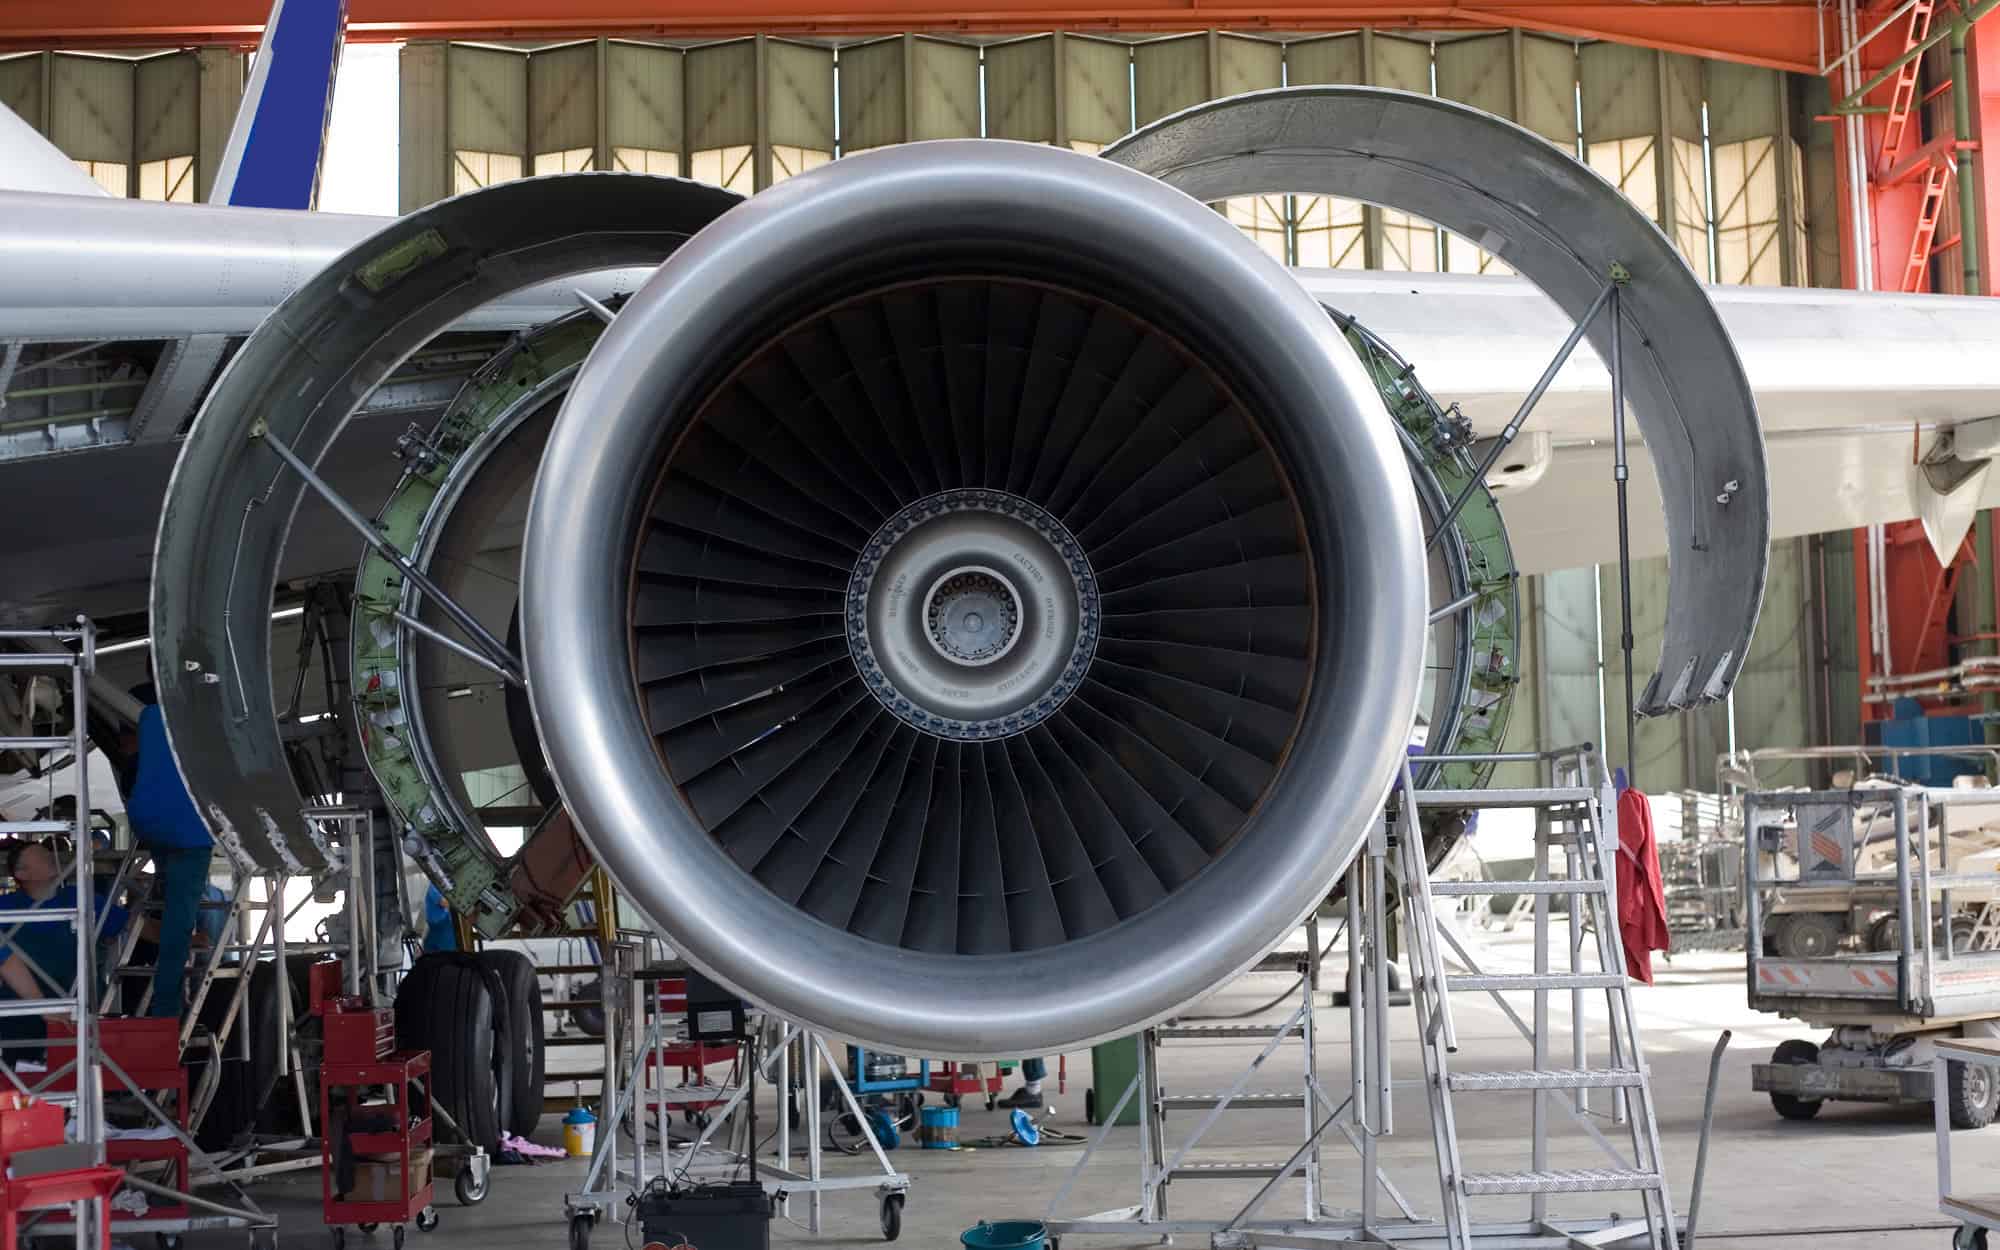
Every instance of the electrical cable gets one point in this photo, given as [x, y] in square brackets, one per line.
[1289, 990]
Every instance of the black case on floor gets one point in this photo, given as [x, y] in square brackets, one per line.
[713, 1217]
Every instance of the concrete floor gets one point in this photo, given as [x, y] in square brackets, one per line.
[1857, 1177]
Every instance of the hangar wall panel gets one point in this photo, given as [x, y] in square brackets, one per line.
[167, 106]
[1097, 92]
[1246, 64]
[1525, 726]
[1759, 183]
[645, 107]
[722, 111]
[1021, 90]
[1548, 89]
[722, 95]
[1812, 98]
[1170, 75]
[944, 95]
[1328, 232]
[1397, 240]
[223, 75]
[90, 107]
[1332, 59]
[1568, 680]
[487, 100]
[1479, 71]
[562, 107]
[1642, 132]
[799, 95]
[423, 158]
[1664, 747]
[873, 101]
[1773, 695]
[21, 86]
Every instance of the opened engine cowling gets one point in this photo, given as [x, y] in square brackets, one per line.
[973, 601]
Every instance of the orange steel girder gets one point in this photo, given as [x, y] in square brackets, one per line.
[1777, 34]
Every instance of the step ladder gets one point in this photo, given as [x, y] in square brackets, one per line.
[1572, 819]
[1161, 1164]
[1240, 1096]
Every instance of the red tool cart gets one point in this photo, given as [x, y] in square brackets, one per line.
[696, 1095]
[28, 1125]
[370, 1100]
[147, 1051]
[958, 1080]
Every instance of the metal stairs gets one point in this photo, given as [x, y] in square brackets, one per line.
[1571, 820]
[1297, 1028]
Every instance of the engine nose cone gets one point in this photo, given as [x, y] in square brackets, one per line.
[972, 614]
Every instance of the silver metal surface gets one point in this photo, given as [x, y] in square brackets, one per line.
[231, 501]
[933, 621]
[1565, 228]
[1028, 211]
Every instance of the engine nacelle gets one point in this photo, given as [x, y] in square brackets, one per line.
[972, 599]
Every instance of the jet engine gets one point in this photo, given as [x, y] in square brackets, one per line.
[972, 599]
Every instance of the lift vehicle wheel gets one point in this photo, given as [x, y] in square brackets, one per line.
[339, 1237]
[427, 1219]
[470, 1189]
[396, 1235]
[579, 1230]
[1799, 1051]
[1971, 1094]
[1968, 1237]
[1806, 935]
[892, 1216]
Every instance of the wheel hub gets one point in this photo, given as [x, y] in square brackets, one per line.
[972, 614]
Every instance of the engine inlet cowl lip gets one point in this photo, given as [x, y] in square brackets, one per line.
[972, 615]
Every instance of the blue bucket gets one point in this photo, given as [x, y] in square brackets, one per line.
[938, 1128]
[1006, 1235]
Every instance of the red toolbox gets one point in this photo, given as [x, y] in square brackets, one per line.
[27, 1125]
[375, 1098]
[147, 1050]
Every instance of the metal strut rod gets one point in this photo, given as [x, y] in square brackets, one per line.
[442, 639]
[1513, 428]
[503, 660]
[1622, 473]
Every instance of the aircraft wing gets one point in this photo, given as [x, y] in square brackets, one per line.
[1850, 387]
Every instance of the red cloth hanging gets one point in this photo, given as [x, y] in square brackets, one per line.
[1642, 898]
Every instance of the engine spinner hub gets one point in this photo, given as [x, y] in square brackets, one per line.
[972, 614]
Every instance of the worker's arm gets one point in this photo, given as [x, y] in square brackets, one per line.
[15, 973]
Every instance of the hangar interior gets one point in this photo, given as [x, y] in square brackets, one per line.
[339, 503]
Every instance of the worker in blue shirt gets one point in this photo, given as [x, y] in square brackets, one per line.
[440, 934]
[50, 944]
[164, 821]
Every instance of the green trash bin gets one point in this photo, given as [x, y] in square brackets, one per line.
[1113, 1064]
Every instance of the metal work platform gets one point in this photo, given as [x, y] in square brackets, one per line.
[638, 1033]
[1872, 916]
[1564, 1064]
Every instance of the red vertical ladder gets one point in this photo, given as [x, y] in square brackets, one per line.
[1936, 179]
[1903, 100]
